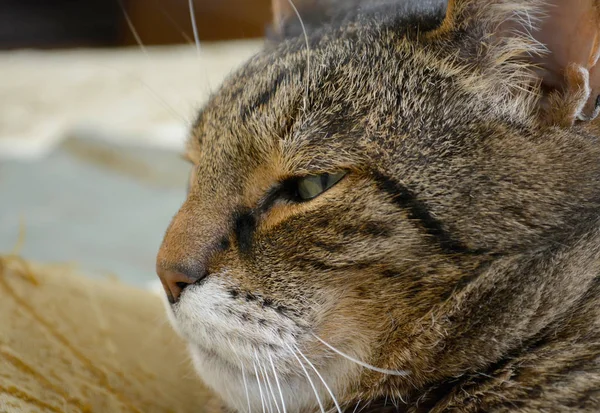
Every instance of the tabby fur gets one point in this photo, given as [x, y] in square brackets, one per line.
[462, 248]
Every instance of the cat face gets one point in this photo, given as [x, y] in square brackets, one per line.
[344, 194]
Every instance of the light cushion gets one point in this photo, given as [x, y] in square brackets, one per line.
[74, 344]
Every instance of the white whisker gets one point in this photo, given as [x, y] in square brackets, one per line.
[143, 48]
[246, 387]
[305, 100]
[268, 395]
[270, 387]
[194, 26]
[356, 408]
[321, 378]
[277, 382]
[362, 363]
[132, 28]
[166, 104]
[262, 398]
[308, 377]
[243, 373]
[266, 392]
[173, 22]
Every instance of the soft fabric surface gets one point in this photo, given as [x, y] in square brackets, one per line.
[73, 344]
[147, 96]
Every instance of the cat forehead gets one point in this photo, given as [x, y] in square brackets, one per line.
[325, 105]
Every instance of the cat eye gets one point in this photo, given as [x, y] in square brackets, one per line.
[311, 186]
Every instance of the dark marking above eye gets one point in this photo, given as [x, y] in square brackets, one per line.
[245, 226]
[263, 98]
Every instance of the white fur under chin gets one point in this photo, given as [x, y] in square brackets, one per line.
[231, 386]
[234, 358]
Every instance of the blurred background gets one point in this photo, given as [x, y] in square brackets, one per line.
[103, 23]
[96, 98]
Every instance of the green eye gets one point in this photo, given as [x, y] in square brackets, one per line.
[312, 186]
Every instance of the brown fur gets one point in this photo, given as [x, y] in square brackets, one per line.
[463, 245]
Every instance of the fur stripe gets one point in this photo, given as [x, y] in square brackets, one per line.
[264, 97]
[417, 210]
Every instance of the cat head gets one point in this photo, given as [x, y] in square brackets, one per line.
[350, 183]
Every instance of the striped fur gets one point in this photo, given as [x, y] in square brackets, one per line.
[462, 247]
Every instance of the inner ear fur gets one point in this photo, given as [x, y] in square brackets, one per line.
[557, 40]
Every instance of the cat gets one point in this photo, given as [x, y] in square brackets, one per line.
[395, 207]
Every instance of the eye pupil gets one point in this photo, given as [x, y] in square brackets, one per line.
[312, 186]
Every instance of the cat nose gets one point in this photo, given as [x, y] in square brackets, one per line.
[174, 281]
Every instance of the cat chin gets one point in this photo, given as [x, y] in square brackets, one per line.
[231, 353]
[243, 389]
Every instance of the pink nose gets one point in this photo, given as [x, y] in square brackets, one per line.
[174, 282]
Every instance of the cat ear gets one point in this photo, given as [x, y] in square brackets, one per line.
[291, 17]
[285, 13]
[282, 10]
[568, 32]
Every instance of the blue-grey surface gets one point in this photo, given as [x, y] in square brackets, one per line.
[100, 206]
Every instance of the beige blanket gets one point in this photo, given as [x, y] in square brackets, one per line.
[72, 344]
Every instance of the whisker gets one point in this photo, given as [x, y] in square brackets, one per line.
[262, 398]
[339, 409]
[246, 387]
[277, 382]
[243, 373]
[362, 363]
[132, 28]
[305, 100]
[194, 26]
[160, 99]
[164, 102]
[269, 387]
[262, 374]
[356, 408]
[144, 50]
[266, 375]
[308, 377]
[173, 22]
